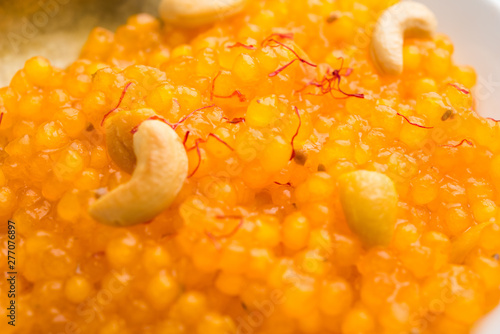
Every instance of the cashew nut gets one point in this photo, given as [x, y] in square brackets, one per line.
[388, 35]
[369, 201]
[161, 170]
[195, 13]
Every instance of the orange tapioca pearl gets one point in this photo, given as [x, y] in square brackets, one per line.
[218, 190]
[207, 63]
[412, 58]
[255, 176]
[376, 290]
[89, 179]
[214, 323]
[346, 250]
[162, 290]
[98, 45]
[69, 165]
[3, 180]
[276, 154]
[7, 201]
[69, 207]
[9, 99]
[144, 22]
[20, 83]
[417, 259]
[423, 86]
[268, 232]
[260, 263]
[335, 296]
[161, 98]
[234, 258]
[38, 71]
[188, 98]
[488, 268]
[77, 289]
[346, 25]
[222, 146]
[30, 107]
[95, 106]
[386, 118]
[396, 317]
[318, 213]
[267, 58]
[432, 107]
[459, 96]
[405, 235]
[206, 256]
[295, 231]
[424, 189]
[300, 299]
[230, 284]
[438, 63]
[358, 320]
[79, 85]
[72, 120]
[20, 147]
[192, 305]
[170, 327]
[311, 323]
[51, 135]
[262, 112]
[98, 157]
[484, 210]
[489, 240]
[465, 75]
[246, 69]
[123, 250]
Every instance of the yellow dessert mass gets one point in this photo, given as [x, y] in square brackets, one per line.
[291, 168]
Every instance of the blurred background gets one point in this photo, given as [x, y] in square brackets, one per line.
[56, 29]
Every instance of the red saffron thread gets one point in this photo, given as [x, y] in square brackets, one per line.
[281, 69]
[190, 114]
[283, 184]
[296, 132]
[215, 239]
[415, 124]
[169, 236]
[213, 86]
[234, 120]
[119, 103]
[238, 44]
[186, 136]
[494, 120]
[220, 140]
[461, 143]
[283, 36]
[333, 76]
[294, 52]
[463, 90]
[235, 230]
[1, 118]
[197, 146]
[198, 152]
[237, 93]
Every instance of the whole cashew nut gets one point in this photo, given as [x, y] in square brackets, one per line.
[389, 32]
[162, 167]
[195, 13]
